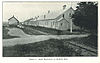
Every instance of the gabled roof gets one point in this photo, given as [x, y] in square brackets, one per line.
[13, 17]
[51, 16]
[55, 14]
[60, 15]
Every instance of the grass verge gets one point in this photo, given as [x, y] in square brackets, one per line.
[6, 35]
[49, 48]
[28, 30]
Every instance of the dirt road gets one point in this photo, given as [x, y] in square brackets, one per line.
[25, 38]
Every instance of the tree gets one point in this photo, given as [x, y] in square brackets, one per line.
[86, 15]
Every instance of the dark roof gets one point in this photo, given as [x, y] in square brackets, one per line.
[45, 19]
[14, 18]
[28, 19]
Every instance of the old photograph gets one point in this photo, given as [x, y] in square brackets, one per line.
[50, 29]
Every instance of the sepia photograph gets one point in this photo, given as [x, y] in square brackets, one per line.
[49, 29]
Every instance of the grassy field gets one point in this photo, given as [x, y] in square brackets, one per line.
[6, 35]
[91, 41]
[49, 48]
[29, 30]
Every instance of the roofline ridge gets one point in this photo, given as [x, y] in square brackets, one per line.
[13, 17]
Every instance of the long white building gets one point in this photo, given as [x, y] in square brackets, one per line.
[60, 21]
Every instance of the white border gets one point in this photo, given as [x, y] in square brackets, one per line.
[27, 59]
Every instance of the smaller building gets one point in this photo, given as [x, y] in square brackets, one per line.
[13, 21]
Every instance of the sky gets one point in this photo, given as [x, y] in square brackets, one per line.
[25, 10]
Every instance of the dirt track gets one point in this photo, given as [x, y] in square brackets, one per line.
[25, 38]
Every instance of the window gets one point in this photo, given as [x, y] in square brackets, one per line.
[63, 15]
[53, 23]
[70, 15]
[47, 23]
[61, 24]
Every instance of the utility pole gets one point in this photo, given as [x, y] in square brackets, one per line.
[71, 19]
[71, 25]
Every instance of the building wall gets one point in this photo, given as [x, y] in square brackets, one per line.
[13, 22]
[63, 25]
[67, 15]
[61, 22]
[60, 25]
[46, 23]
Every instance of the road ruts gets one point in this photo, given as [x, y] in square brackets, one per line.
[81, 49]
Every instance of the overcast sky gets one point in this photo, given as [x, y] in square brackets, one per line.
[26, 10]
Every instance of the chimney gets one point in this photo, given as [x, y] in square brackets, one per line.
[48, 11]
[44, 16]
[64, 7]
